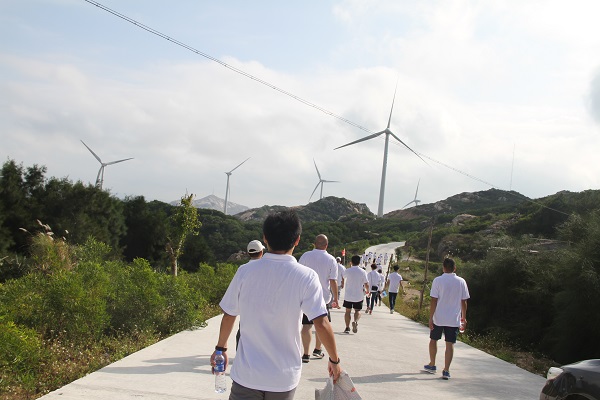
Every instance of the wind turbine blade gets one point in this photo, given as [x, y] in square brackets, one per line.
[393, 100]
[405, 145]
[313, 192]
[417, 189]
[318, 173]
[239, 164]
[114, 162]
[323, 180]
[95, 155]
[407, 204]
[361, 140]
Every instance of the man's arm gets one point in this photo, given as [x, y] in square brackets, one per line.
[432, 307]
[463, 310]
[334, 291]
[227, 323]
[325, 333]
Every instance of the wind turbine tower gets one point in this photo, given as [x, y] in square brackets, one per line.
[227, 189]
[415, 199]
[388, 133]
[100, 177]
[321, 182]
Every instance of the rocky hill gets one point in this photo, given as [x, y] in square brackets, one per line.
[472, 203]
[328, 209]
[213, 202]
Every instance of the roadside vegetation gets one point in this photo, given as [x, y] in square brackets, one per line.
[87, 278]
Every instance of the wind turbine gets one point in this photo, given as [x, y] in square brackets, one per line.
[100, 177]
[415, 199]
[227, 190]
[321, 182]
[388, 133]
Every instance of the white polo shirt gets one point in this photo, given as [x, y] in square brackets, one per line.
[450, 290]
[270, 296]
[373, 278]
[341, 273]
[394, 279]
[325, 265]
[356, 277]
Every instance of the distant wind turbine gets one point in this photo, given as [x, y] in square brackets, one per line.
[100, 177]
[388, 133]
[415, 199]
[227, 190]
[321, 182]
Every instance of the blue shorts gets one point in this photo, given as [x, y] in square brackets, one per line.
[450, 333]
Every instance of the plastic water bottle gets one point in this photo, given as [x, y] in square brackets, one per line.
[461, 328]
[220, 380]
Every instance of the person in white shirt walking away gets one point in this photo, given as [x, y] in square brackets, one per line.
[447, 311]
[324, 264]
[356, 282]
[393, 284]
[373, 278]
[340, 278]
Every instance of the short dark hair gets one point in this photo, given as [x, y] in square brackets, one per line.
[396, 268]
[282, 229]
[373, 266]
[355, 260]
[449, 264]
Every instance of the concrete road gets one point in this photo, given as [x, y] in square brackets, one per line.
[389, 368]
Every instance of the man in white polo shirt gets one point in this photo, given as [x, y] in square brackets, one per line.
[270, 296]
[324, 264]
[356, 286]
[447, 311]
[340, 278]
[394, 283]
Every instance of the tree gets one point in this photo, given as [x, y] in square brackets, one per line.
[183, 222]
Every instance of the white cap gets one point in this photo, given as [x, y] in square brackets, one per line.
[338, 259]
[255, 246]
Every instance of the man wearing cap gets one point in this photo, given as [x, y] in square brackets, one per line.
[325, 266]
[255, 250]
[270, 296]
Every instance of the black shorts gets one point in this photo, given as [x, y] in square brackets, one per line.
[357, 305]
[450, 333]
[305, 320]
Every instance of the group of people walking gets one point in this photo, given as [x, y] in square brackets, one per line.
[280, 300]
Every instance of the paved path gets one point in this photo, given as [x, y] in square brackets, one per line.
[384, 359]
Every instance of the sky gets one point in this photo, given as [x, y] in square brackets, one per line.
[501, 94]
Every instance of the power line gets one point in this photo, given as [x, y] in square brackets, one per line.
[282, 91]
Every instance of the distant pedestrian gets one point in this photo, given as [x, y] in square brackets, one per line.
[340, 278]
[325, 266]
[373, 278]
[268, 363]
[381, 286]
[448, 309]
[357, 285]
[394, 283]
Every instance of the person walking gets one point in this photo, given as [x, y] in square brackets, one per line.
[381, 286]
[324, 264]
[340, 278]
[255, 251]
[356, 286]
[393, 284]
[270, 296]
[447, 311]
[373, 278]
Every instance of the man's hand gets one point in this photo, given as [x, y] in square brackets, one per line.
[212, 360]
[334, 371]
[334, 304]
[431, 323]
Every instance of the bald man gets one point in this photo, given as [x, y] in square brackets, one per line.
[325, 266]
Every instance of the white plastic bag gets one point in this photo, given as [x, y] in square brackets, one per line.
[343, 389]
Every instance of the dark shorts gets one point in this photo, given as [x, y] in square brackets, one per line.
[450, 333]
[357, 305]
[239, 392]
[305, 320]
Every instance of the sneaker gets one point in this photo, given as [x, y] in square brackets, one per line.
[347, 330]
[317, 353]
[430, 369]
[355, 327]
[391, 311]
[445, 375]
[305, 358]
